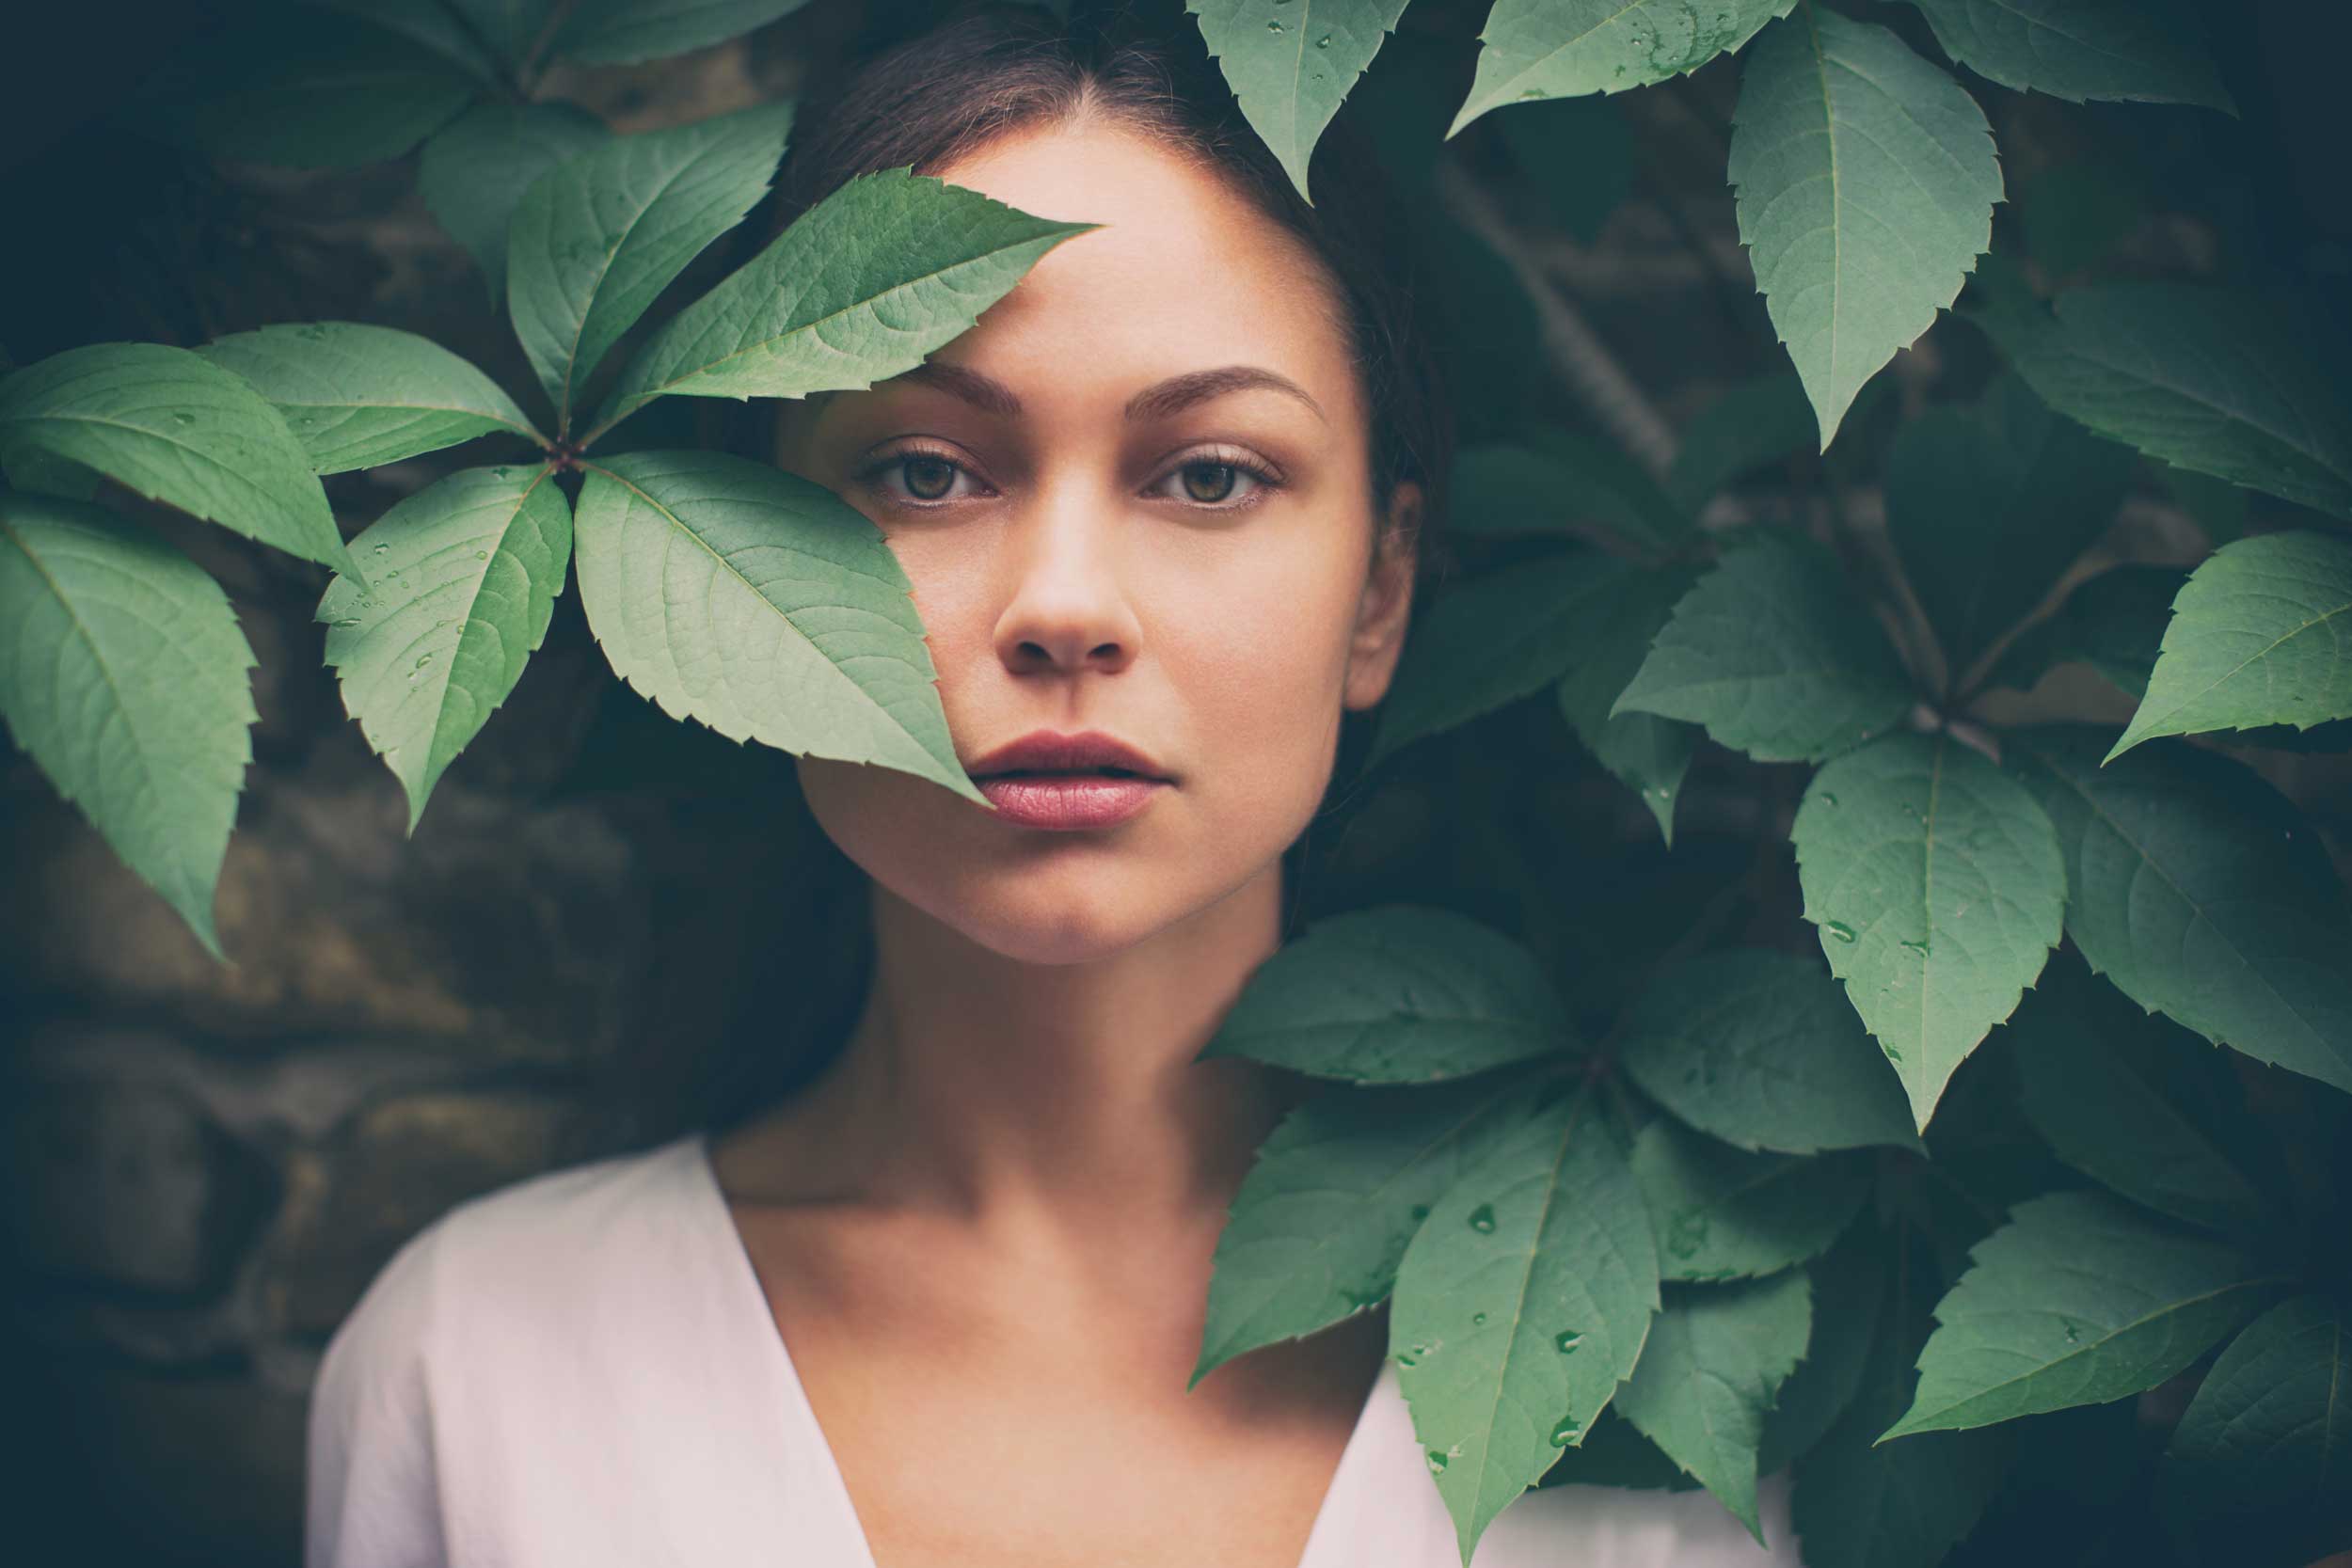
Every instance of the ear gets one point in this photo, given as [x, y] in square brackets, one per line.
[1387, 604]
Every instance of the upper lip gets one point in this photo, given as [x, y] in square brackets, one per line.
[1046, 751]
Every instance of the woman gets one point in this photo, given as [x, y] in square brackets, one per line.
[1166, 497]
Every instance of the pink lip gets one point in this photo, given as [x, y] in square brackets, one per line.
[1070, 801]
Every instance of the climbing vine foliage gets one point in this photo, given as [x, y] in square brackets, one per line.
[1987, 1185]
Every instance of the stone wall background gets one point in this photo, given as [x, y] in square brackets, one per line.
[201, 1167]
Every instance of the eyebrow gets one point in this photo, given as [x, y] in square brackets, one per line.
[1162, 400]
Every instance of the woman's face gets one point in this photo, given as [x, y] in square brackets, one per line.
[1099, 539]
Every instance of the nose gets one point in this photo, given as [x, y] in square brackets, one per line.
[1067, 606]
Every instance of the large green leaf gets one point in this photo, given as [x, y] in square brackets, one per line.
[1865, 180]
[1716, 1359]
[595, 239]
[2144, 49]
[2272, 1422]
[764, 605]
[1649, 755]
[1774, 656]
[2136, 1102]
[1521, 1303]
[1988, 506]
[177, 429]
[306, 88]
[1936, 883]
[1290, 65]
[2262, 634]
[1490, 640]
[123, 676]
[1761, 1049]
[2209, 379]
[858, 289]
[1335, 1191]
[624, 32]
[2202, 893]
[1861, 1504]
[1721, 1214]
[357, 395]
[468, 570]
[2079, 1299]
[474, 170]
[1397, 993]
[1566, 48]
[435, 23]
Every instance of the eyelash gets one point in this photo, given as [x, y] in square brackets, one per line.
[1265, 481]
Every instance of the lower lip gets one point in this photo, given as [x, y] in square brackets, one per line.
[1069, 801]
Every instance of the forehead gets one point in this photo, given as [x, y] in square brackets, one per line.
[1184, 273]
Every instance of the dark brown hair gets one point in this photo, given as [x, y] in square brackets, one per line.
[987, 69]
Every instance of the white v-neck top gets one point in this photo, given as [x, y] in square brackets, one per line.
[581, 1371]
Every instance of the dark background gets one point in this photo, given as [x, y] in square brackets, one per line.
[202, 1166]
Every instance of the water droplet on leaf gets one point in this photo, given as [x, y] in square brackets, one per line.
[1568, 1339]
[1918, 947]
[381, 548]
[1841, 930]
[183, 419]
[1274, 27]
[1436, 1461]
[1566, 1431]
[1483, 1218]
[1478, 1317]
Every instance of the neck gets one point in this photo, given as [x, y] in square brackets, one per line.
[1044, 1105]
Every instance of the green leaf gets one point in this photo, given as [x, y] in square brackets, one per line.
[2261, 635]
[596, 240]
[2272, 1422]
[1556, 483]
[1489, 641]
[1857, 1505]
[2203, 894]
[304, 88]
[1755, 422]
[422, 663]
[2079, 1299]
[1761, 1050]
[474, 170]
[435, 23]
[510, 27]
[1716, 1359]
[1865, 180]
[1988, 506]
[357, 396]
[1521, 1303]
[123, 676]
[31, 469]
[2135, 1103]
[2204, 378]
[2113, 622]
[1290, 71]
[2147, 50]
[624, 32]
[1335, 1191]
[1612, 1453]
[177, 429]
[1849, 1286]
[1936, 883]
[764, 605]
[1721, 1214]
[1771, 654]
[1565, 48]
[1397, 993]
[1647, 753]
[858, 289]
